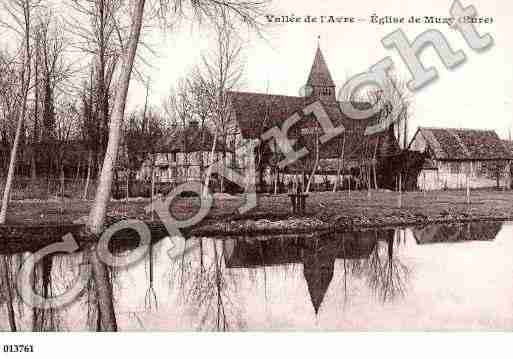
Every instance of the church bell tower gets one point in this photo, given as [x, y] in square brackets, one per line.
[319, 81]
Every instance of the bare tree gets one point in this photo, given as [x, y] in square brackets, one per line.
[9, 289]
[203, 8]
[340, 161]
[21, 11]
[50, 70]
[103, 38]
[387, 275]
[221, 72]
[9, 79]
[180, 105]
[395, 102]
[89, 127]
[316, 161]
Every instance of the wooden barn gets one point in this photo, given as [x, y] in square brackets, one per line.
[455, 156]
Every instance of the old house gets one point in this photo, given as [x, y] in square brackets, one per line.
[351, 152]
[183, 154]
[455, 156]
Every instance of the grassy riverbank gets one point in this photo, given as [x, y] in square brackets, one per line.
[327, 208]
[34, 224]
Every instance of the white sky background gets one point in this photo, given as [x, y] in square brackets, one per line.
[476, 94]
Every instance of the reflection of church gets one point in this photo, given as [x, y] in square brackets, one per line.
[317, 254]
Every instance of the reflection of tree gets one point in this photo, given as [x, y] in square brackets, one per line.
[386, 274]
[91, 299]
[7, 290]
[150, 300]
[206, 279]
[41, 283]
[207, 286]
[93, 319]
[369, 255]
[44, 319]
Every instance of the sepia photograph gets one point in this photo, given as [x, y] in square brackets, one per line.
[253, 166]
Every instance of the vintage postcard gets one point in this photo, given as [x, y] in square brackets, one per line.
[284, 165]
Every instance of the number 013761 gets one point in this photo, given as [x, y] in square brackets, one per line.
[18, 348]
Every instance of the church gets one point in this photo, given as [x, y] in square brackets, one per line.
[351, 158]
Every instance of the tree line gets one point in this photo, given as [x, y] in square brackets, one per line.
[65, 75]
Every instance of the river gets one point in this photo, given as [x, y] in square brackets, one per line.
[436, 277]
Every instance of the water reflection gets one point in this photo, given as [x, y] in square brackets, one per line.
[371, 279]
[460, 232]
[360, 252]
[207, 288]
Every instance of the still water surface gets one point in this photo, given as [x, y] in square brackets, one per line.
[433, 277]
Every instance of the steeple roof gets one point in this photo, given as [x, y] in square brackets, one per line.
[320, 74]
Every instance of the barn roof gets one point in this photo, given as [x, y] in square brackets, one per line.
[463, 144]
[188, 139]
[319, 73]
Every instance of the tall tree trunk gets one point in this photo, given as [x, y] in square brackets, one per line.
[221, 185]
[77, 174]
[99, 209]
[400, 197]
[103, 285]
[102, 95]
[340, 164]
[127, 185]
[88, 177]
[405, 135]
[209, 169]
[316, 164]
[35, 137]
[5, 270]
[25, 76]
[374, 160]
[276, 178]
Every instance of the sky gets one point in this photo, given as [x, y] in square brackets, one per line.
[476, 94]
